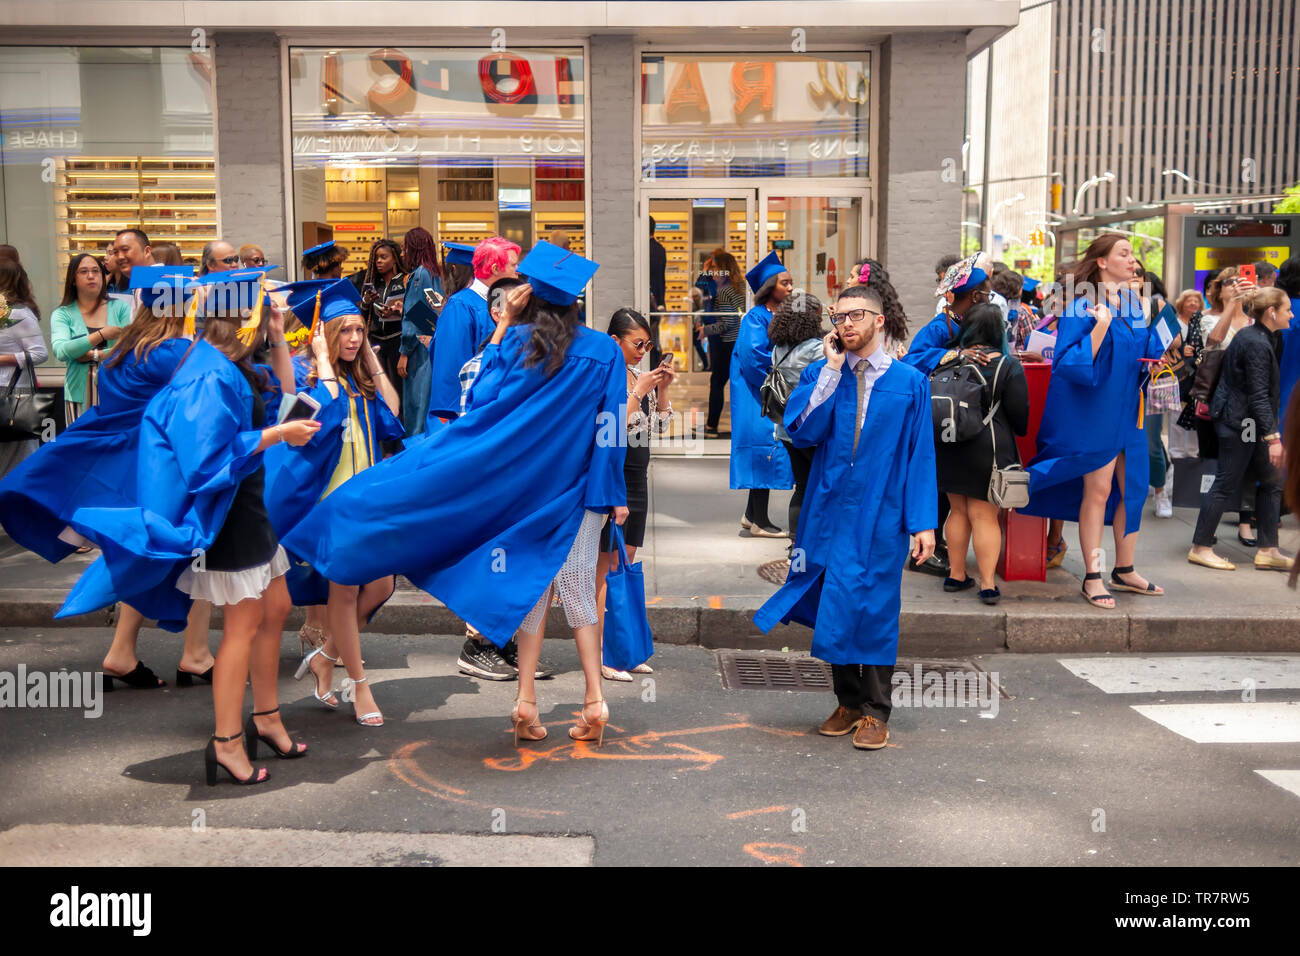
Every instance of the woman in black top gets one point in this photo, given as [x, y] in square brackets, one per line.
[730, 302]
[382, 301]
[1245, 413]
[965, 467]
[648, 412]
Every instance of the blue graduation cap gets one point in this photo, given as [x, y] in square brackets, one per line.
[326, 246]
[458, 253]
[227, 294]
[1028, 284]
[976, 277]
[314, 300]
[557, 275]
[770, 265]
[175, 284]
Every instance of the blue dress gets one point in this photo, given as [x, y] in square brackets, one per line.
[92, 462]
[197, 443]
[419, 367]
[482, 513]
[463, 325]
[928, 346]
[1091, 414]
[297, 478]
[1289, 364]
[855, 521]
[758, 459]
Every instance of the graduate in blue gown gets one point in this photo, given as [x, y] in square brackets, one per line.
[464, 322]
[872, 485]
[359, 409]
[1091, 466]
[758, 460]
[1288, 279]
[501, 492]
[93, 463]
[201, 530]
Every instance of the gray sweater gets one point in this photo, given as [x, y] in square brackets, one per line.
[791, 362]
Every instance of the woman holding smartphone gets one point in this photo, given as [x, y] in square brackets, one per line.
[358, 409]
[382, 299]
[648, 413]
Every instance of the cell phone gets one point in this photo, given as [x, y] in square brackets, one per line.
[1247, 272]
[668, 359]
[837, 343]
[303, 406]
[434, 298]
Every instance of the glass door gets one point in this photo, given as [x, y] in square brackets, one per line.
[819, 233]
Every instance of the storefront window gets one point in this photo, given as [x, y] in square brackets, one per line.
[761, 116]
[97, 139]
[463, 143]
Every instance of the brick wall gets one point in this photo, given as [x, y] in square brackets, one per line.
[923, 102]
[613, 173]
[251, 160]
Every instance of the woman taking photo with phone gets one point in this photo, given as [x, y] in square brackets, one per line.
[358, 409]
[648, 413]
[1097, 475]
[202, 530]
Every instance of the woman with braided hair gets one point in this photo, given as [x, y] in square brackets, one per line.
[872, 274]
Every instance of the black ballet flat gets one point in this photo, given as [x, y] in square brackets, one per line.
[952, 585]
[140, 678]
[187, 678]
[211, 763]
[251, 737]
[991, 595]
[1248, 542]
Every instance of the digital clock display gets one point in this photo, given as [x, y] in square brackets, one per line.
[1243, 228]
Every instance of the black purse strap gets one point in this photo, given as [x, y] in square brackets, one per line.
[18, 373]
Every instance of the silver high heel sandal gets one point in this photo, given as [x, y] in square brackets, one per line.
[362, 718]
[329, 700]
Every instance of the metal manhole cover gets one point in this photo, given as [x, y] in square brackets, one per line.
[763, 671]
[775, 572]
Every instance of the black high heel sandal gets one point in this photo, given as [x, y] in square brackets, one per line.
[140, 678]
[187, 678]
[252, 736]
[211, 763]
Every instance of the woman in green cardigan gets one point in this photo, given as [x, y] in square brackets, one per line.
[82, 328]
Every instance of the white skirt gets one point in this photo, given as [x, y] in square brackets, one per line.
[576, 582]
[231, 587]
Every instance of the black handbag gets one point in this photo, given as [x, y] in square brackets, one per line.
[24, 415]
[774, 393]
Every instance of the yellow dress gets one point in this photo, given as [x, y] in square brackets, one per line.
[357, 452]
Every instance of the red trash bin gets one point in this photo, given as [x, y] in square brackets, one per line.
[1024, 538]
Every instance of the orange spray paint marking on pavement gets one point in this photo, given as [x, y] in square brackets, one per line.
[749, 813]
[789, 854]
[405, 768]
[715, 601]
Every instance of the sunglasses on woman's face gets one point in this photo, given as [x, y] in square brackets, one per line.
[230, 260]
[640, 345]
[254, 261]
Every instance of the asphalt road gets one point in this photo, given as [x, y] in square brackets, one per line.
[1090, 762]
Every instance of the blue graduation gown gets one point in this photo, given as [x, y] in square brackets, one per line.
[1091, 414]
[297, 477]
[1289, 364]
[419, 368]
[197, 443]
[928, 346]
[496, 496]
[855, 521]
[92, 462]
[758, 459]
[462, 326]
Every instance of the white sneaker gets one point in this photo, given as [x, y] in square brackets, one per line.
[1164, 505]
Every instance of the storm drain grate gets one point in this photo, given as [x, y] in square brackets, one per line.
[749, 671]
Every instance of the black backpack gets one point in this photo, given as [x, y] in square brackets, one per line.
[957, 394]
[774, 393]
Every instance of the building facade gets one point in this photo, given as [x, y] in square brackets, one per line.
[1093, 108]
[826, 131]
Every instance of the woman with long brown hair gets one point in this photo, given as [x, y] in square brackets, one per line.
[383, 297]
[81, 330]
[359, 409]
[1091, 465]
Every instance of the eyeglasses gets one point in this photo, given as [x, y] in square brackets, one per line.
[230, 260]
[857, 316]
[640, 345]
[253, 261]
[981, 295]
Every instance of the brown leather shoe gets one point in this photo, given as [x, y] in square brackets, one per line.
[841, 722]
[871, 734]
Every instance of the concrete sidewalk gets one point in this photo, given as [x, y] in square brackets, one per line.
[703, 586]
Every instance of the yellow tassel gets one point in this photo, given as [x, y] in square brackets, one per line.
[315, 319]
[191, 313]
[1141, 408]
[248, 331]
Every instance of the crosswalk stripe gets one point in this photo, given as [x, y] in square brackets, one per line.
[1256, 723]
[1286, 779]
[1150, 675]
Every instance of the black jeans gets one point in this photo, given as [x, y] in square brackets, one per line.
[864, 687]
[719, 373]
[801, 464]
[1236, 459]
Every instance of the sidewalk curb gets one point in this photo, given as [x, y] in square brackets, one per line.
[1040, 628]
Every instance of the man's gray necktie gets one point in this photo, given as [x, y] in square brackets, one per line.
[860, 371]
